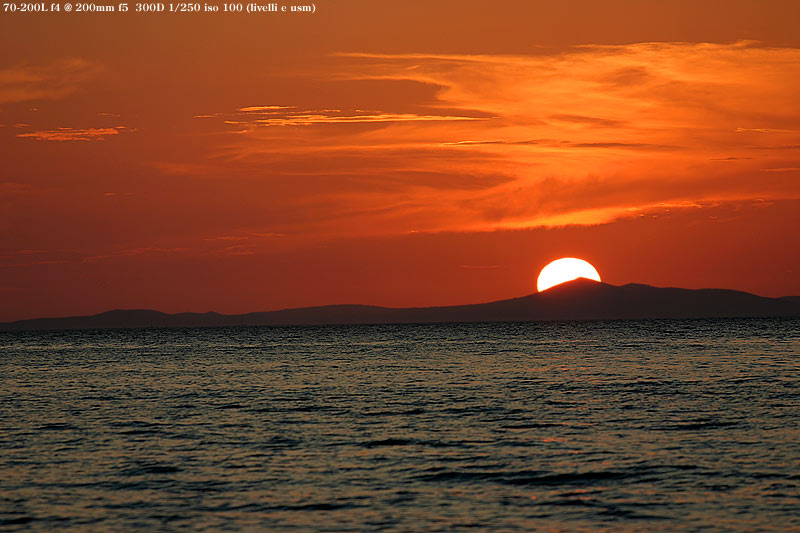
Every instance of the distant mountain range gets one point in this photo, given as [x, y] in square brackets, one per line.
[581, 299]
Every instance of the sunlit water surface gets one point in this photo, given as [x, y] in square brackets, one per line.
[650, 425]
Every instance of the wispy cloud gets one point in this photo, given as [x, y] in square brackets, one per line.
[307, 120]
[262, 108]
[245, 236]
[238, 249]
[764, 130]
[262, 116]
[74, 134]
[131, 252]
[583, 136]
[36, 82]
[551, 143]
[591, 121]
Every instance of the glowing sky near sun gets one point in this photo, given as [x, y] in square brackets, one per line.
[395, 153]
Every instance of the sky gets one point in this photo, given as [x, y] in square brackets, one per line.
[409, 153]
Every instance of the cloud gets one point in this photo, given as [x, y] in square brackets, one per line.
[239, 249]
[244, 236]
[263, 116]
[763, 130]
[184, 168]
[591, 121]
[567, 144]
[35, 263]
[501, 141]
[779, 147]
[675, 107]
[38, 82]
[309, 119]
[629, 145]
[227, 238]
[583, 136]
[131, 252]
[74, 134]
[262, 108]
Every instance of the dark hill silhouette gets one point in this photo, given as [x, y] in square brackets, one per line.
[581, 299]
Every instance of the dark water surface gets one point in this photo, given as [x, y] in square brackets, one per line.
[650, 425]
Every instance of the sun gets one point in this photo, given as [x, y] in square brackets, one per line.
[565, 269]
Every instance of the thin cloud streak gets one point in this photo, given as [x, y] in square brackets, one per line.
[255, 109]
[550, 143]
[306, 120]
[74, 134]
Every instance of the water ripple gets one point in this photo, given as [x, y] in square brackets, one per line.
[586, 426]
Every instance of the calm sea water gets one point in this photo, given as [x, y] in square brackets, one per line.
[648, 425]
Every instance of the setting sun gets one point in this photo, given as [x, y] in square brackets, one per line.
[563, 270]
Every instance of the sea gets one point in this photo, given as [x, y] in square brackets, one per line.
[655, 425]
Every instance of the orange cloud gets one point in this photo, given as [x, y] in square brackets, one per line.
[290, 116]
[583, 137]
[308, 119]
[73, 134]
[262, 108]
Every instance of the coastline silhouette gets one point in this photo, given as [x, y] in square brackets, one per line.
[580, 299]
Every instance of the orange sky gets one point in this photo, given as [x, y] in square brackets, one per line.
[394, 153]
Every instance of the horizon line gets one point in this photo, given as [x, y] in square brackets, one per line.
[787, 298]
